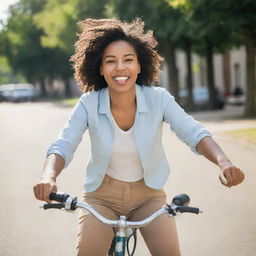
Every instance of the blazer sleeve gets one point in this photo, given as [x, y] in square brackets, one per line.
[71, 135]
[185, 126]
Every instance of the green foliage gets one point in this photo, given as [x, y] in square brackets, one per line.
[21, 43]
[221, 25]
[159, 16]
[94, 8]
[6, 74]
[39, 36]
[57, 20]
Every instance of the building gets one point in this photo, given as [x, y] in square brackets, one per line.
[230, 70]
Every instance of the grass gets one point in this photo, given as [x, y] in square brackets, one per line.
[69, 102]
[248, 135]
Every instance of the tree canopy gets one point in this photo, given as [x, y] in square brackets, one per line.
[38, 38]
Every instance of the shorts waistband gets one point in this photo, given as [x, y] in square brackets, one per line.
[109, 179]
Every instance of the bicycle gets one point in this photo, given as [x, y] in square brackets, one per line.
[123, 229]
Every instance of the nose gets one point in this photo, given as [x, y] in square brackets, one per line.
[120, 65]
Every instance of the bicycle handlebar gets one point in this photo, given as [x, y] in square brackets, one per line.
[65, 201]
[178, 205]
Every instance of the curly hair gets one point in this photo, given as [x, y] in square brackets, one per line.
[97, 34]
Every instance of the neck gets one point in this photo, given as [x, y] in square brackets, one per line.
[122, 100]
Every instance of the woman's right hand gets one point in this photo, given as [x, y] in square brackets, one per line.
[44, 188]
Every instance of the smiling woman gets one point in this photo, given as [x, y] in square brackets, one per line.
[115, 63]
[96, 35]
[120, 66]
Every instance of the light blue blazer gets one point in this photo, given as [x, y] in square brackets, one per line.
[154, 106]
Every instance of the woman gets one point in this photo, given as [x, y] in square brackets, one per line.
[115, 62]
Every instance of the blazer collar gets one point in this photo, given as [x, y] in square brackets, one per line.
[104, 101]
[141, 100]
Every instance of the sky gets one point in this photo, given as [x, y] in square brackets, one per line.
[4, 4]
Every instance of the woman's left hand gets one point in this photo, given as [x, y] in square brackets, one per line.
[231, 175]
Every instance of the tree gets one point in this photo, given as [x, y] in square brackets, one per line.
[222, 25]
[162, 19]
[25, 45]
[20, 41]
[184, 36]
[6, 74]
[243, 22]
[207, 33]
[58, 20]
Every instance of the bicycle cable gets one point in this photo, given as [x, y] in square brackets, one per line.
[134, 234]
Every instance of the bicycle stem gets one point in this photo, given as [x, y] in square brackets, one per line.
[121, 237]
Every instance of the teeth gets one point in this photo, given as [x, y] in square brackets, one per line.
[121, 78]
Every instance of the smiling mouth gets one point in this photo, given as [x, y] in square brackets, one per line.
[121, 78]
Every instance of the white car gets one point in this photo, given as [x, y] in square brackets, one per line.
[201, 98]
[19, 92]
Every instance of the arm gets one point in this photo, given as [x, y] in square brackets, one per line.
[61, 152]
[187, 129]
[230, 175]
[52, 168]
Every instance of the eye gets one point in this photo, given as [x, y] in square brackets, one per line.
[129, 60]
[110, 61]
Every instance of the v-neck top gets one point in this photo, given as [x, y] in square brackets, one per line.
[125, 164]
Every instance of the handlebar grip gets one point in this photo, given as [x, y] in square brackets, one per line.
[53, 206]
[187, 209]
[181, 200]
[58, 197]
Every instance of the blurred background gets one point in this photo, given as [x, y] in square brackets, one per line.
[208, 47]
[209, 52]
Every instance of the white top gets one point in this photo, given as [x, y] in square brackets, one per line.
[125, 164]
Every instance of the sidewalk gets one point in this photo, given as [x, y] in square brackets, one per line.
[231, 118]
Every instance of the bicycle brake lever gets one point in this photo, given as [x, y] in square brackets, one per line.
[171, 210]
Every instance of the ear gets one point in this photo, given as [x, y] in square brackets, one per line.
[139, 69]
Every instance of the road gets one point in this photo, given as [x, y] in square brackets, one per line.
[226, 228]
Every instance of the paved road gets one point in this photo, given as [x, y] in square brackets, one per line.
[226, 228]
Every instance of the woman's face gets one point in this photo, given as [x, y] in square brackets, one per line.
[120, 66]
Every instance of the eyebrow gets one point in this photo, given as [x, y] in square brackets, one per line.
[113, 56]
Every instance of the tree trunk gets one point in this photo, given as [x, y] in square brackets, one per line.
[43, 87]
[210, 73]
[191, 105]
[172, 69]
[226, 73]
[250, 109]
[67, 84]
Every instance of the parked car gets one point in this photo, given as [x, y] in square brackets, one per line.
[2, 97]
[5, 91]
[201, 98]
[237, 97]
[18, 92]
